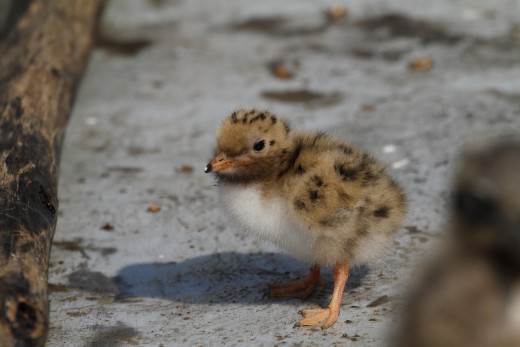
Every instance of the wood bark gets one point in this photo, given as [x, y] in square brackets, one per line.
[41, 62]
[15, 10]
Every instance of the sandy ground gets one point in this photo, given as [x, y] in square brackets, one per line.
[164, 75]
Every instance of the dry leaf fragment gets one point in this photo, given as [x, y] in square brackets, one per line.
[185, 168]
[107, 227]
[337, 11]
[420, 64]
[153, 208]
[367, 107]
[281, 70]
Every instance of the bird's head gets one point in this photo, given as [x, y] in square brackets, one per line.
[251, 145]
[487, 201]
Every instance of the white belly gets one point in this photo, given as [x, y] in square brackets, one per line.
[268, 218]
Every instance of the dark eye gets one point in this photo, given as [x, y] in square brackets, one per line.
[259, 145]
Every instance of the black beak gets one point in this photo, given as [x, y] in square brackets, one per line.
[208, 168]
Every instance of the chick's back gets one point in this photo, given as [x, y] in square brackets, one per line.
[345, 197]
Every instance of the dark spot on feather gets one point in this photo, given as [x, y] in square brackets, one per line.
[347, 174]
[251, 112]
[272, 142]
[317, 180]
[299, 170]
[327, 222]
[299, 204]
[382, 212]
[244, 119]
[292, 159]
[286, 127]
[260, 116]
[366, 160]
[370, 177]
[316, 138]
[344, 196]
[273, 120]
[345, 149]
[234, 119]
[313, 195]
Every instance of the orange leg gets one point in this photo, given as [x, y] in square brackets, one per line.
[325, 317]
[300, 288]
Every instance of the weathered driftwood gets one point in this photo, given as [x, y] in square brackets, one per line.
[41, 62]
[14, 11]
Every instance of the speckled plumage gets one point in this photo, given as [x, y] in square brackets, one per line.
[320, 199]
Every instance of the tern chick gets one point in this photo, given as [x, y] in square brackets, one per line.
[318, 198]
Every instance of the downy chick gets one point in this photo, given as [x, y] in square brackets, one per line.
[318, 198]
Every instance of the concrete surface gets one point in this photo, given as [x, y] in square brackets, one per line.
[165, 74]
